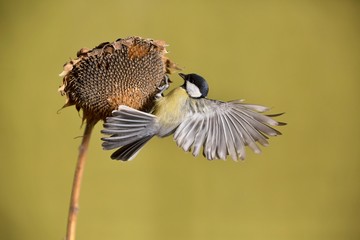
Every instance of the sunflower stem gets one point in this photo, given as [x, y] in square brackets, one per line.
[75, 192]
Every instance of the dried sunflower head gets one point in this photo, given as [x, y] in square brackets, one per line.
[128, 72]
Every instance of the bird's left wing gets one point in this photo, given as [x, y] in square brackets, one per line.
[129, 130]
[225, 128]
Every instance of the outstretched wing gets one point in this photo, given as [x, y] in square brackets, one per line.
[225, 128]
[129, 130]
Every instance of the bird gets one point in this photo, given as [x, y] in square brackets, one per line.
[220, 128]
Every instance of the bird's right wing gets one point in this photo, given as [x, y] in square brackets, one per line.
[225, 128]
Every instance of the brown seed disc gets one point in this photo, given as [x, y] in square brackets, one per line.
[128, 71]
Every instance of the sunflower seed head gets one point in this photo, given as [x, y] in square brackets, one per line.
[125, 72]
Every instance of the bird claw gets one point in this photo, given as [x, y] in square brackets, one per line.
[163, 87]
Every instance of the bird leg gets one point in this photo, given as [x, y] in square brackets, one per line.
[163, 87]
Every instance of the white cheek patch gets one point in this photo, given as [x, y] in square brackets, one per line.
[192, 90]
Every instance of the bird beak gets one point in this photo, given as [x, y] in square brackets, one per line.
[182, 75]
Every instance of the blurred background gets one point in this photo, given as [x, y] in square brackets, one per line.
[299, 57]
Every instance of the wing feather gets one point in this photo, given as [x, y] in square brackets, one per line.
[246, 130]
[225, 128]
[230, 138]
[129, 130]
[185, 136]
[201, 135]
[253, 135]
[129, 151]
[223, 137]
[238, 138]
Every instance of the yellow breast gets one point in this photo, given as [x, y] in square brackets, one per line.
[170, 109]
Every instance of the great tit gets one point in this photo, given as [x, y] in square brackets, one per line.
[220, 128]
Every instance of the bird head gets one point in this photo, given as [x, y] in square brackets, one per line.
[195, 85]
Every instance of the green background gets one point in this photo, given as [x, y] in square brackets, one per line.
[299, 57]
